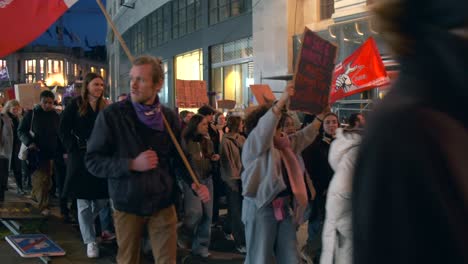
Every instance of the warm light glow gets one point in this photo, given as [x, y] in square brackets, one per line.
[231, 83]
[55, 80]
[356, 25]
[331, 33]
[189, 66]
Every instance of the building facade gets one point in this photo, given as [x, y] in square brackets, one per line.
[277, 32]
[53, 66]
[196, 40]
[233, 43]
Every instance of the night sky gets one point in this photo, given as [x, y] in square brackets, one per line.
[84, 20]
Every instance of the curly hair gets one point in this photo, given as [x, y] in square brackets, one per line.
[252, 118]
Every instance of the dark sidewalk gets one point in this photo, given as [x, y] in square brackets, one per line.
[68, 237]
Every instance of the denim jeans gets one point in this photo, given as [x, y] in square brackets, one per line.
[87, 212]
[267, 239]
[198, 217]
[105, 218]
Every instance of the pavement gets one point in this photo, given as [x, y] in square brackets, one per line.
[68, 237]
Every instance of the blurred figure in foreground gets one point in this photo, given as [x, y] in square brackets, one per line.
[410, 200]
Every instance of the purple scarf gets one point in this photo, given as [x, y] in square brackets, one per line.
[150, 115]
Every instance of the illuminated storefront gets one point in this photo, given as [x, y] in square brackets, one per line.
[232, 71]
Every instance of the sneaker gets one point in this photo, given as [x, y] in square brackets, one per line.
[229, 237]
[241, 249]
[203, 255]
[182, 244]
[107, 236]
[92, 250]
[306, 254]
[45, 212]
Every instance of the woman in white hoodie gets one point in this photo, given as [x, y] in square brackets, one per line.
[337, 230]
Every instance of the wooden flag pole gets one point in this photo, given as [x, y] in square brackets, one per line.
[166, 124]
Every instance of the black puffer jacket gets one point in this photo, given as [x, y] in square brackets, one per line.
[115, 140]
[45, 128]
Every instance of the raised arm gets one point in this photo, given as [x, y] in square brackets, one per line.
[260, 139]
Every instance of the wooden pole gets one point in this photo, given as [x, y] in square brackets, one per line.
[116, 32]
[166, 124]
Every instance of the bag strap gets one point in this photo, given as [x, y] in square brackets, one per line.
[32, 120]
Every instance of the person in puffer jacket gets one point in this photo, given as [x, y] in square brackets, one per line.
[337, 246]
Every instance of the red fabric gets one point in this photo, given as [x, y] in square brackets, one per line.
[361, 71]
[393, 75]
[10, 93]
[25, 20]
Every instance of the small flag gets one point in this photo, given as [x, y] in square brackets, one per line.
[67, 33]
[49, 33]
[59, 31]
[4, 76]
[76, 38]
[86, 42]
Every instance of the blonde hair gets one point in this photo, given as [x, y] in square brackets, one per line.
[10, 104]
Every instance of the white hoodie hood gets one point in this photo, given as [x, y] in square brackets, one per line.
[344, 142]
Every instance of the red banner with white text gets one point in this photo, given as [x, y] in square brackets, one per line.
[25, 20]
[362, 71]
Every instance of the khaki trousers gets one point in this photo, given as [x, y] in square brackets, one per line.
[162, 230]
[41, 181]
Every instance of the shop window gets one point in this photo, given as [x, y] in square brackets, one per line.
[187, 17]
[327, 8]
[231, 82]
[189, 66]
[220, 10]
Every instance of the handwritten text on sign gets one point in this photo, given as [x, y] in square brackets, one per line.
[313, 75]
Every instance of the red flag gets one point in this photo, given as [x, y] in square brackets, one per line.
[361, 71]
[25, 20]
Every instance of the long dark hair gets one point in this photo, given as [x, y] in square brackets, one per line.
[191, 133]
[83, 107]
[233, 123]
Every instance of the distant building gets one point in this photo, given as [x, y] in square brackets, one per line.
[55, 66]
[196, 39]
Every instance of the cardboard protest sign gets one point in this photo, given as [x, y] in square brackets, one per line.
[262, 93]
[191, 93]
[28, 94]
[34, 245]
[314, 71]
